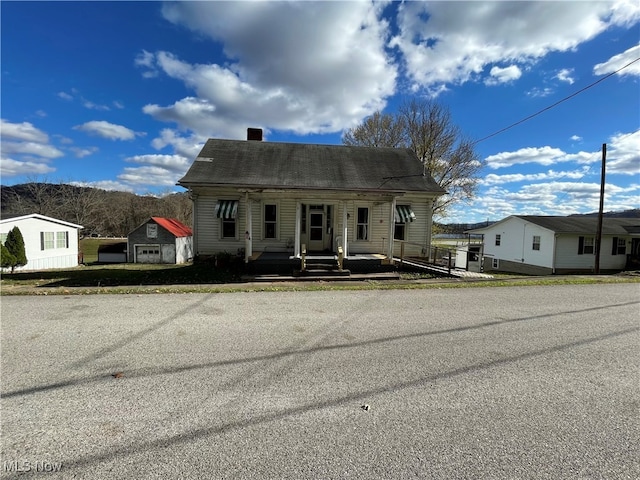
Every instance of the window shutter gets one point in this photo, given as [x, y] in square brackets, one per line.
[580, 245]
[41, 240]
[614, 248]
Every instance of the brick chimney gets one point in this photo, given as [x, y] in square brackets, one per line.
[254, 134]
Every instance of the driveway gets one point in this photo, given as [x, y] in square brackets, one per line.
[517, 382]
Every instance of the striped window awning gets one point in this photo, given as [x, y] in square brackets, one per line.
[404, 214]
[227, 209]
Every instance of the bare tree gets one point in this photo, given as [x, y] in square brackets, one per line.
[428, 129]
[378, 130]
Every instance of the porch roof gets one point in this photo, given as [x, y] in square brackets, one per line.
[256, 164]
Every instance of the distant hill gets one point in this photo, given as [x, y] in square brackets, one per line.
[100, 212]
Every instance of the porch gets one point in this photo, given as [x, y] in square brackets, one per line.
[318, 265]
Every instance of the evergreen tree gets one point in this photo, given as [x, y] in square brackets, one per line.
[15, 245]
[7, 260]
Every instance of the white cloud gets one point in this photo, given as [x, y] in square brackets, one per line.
[93, 106]
[108, 130]
[452, 42]
[171, 163]
[22, 131]
[576, 138]
[493, 179]
[83, 152]
[342, 72]
[539, 92]
[65, 96]
[25, 150]
[503, 75]
[623, 154]
[11, 168]
[148, 175]
[188, 147]
[31, 148]
[540, 155]
[565, 75]
[618, 61]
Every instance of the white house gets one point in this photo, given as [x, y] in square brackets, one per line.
[543, 245]
[254, 197]
[49, 242]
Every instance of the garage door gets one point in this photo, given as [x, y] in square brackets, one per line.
[148, 254]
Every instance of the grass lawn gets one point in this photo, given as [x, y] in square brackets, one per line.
[89, 247]
[123, 274]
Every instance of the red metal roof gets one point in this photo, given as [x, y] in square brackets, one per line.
[174, 226]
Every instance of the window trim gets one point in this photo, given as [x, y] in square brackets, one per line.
[582, 244]
[498, 239]
[275, 222]
[367, 225]
[222, 221]
[534, 243]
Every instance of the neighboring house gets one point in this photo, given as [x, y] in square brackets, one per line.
[252, 197]
[112, 253]
[543, 245]
[49, 242]
[160, 240]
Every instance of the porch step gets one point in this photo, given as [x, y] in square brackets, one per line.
[322, 272]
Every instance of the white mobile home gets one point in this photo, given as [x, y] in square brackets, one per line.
[49, 242]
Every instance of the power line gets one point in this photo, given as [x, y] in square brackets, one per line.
[557, 103]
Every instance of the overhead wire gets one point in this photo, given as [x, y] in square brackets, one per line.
[556, 103]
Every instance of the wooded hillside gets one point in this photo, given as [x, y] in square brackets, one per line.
[100, 212]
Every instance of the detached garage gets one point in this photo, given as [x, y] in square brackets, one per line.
[160, 240]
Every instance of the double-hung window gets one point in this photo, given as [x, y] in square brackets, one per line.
[270, 221]
[62, 239]
[362, 224]
[586, 245]
[498, 239]
[536, 242]
[619, 246]
[226, 211]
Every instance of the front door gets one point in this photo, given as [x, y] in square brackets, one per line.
[316, 230]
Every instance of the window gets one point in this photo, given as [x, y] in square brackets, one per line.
[47, 241]
[303, 220]
[403, 216]
[586, 245]
[62, 239]
[270, 221]
[3, 237]
[498, 239]
[152, 230]
[228, 228]
[536, 242]
[400, 231]
[226, 211]
[362, 225]
[619, 246]
[495, 263]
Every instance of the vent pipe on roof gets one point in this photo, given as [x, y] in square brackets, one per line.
[254, 134]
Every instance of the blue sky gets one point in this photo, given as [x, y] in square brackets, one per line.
[122, 95]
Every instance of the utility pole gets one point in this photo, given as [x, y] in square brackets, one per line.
[601, 209]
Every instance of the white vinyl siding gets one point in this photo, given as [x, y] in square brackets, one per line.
[62, 241]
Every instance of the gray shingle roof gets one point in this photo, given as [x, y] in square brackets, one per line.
[610, 226]
[256, 164]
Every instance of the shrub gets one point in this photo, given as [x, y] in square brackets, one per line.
[15, 246]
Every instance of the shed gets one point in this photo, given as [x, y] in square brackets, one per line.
[160, 240]
[112, 253]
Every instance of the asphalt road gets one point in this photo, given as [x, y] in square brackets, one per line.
[506, 383]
